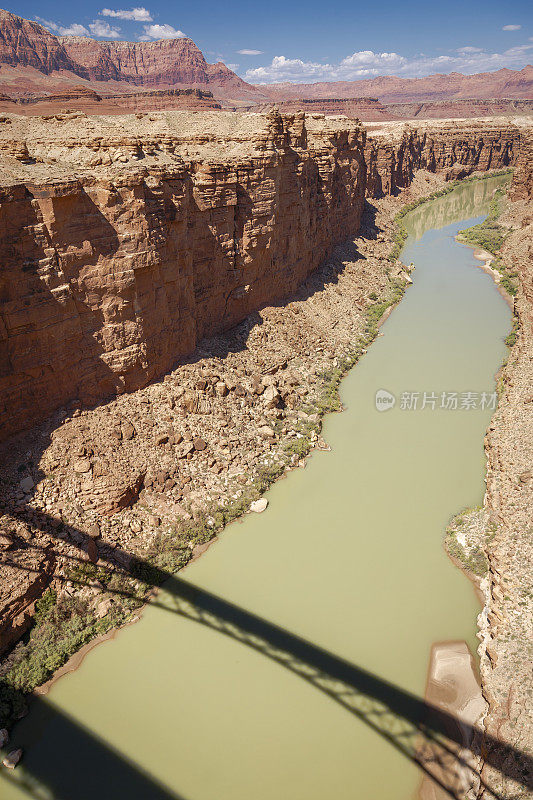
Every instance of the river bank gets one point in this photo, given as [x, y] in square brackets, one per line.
[278, 376]
[278, 565]
[344, 280]
[493, 543]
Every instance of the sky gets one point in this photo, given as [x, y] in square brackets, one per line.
[311, 41]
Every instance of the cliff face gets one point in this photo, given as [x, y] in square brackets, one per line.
[162, 63]
[107, 281]
[522, 186]
[167, 61]
[27, 44]
[166, 236]
[454, 148]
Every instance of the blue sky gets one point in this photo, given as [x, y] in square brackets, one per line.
[311, 41]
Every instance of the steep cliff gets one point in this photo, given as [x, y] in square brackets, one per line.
[109, 278]
[393, 154]
[522, 187]
[164, 63]
[126, 241]
[28, 44]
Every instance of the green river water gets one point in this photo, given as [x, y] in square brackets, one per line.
[348, 556]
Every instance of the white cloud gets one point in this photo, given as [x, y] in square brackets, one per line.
[96, 28]
[63, 30]
[232, 67]
[250, 52]
[367, 64]
[369, 58]
[104, 30]
[165, 31]
[140, 14]
[511, 27]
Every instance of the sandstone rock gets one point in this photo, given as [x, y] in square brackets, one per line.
[258, 506]
[199, 444]
[272, 397]
[93, 530]
[81, 465]
[27, 484]
[265, 432]
[128, 431]
[103, 608]
[221, 389]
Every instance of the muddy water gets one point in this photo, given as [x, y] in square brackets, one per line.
[348, 555]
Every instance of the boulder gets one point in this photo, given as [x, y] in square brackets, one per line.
[27, 484]
[258, 506]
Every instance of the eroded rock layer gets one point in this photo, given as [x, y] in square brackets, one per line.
[125, 241]
[108, 279]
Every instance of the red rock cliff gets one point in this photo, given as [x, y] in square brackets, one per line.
[451, 147]
[108, 277]
[106, 282]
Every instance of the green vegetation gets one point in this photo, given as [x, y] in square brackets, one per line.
[61, 626]
[60, 629]
[490, 236]
[401, 232]
[466, 539]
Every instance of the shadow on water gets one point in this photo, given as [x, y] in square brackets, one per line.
[442, 746]
[84, 765]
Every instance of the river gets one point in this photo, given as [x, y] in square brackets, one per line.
[348, 556]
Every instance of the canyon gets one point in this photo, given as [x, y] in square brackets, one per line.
[175, 285]
[126, 244]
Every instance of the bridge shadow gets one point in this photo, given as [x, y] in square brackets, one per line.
[85, 766]
[444, 747]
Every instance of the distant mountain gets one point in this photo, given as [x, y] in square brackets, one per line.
[35, 62]
[27, 48]
[504, 83]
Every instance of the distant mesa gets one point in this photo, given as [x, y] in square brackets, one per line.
[35, 64]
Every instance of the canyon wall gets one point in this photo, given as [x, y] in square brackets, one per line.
[110, 275]
[522, 186]
[107, 281]
[451, 147]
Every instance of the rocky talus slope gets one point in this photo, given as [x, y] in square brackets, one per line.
[218, 250]
[507, 622]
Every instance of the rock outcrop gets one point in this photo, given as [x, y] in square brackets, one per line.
[110, 277]
[163, 63]
[28, 44]
[368, 109]
[522, 187]
[453, 147]
[83, 98]
[174, 228]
